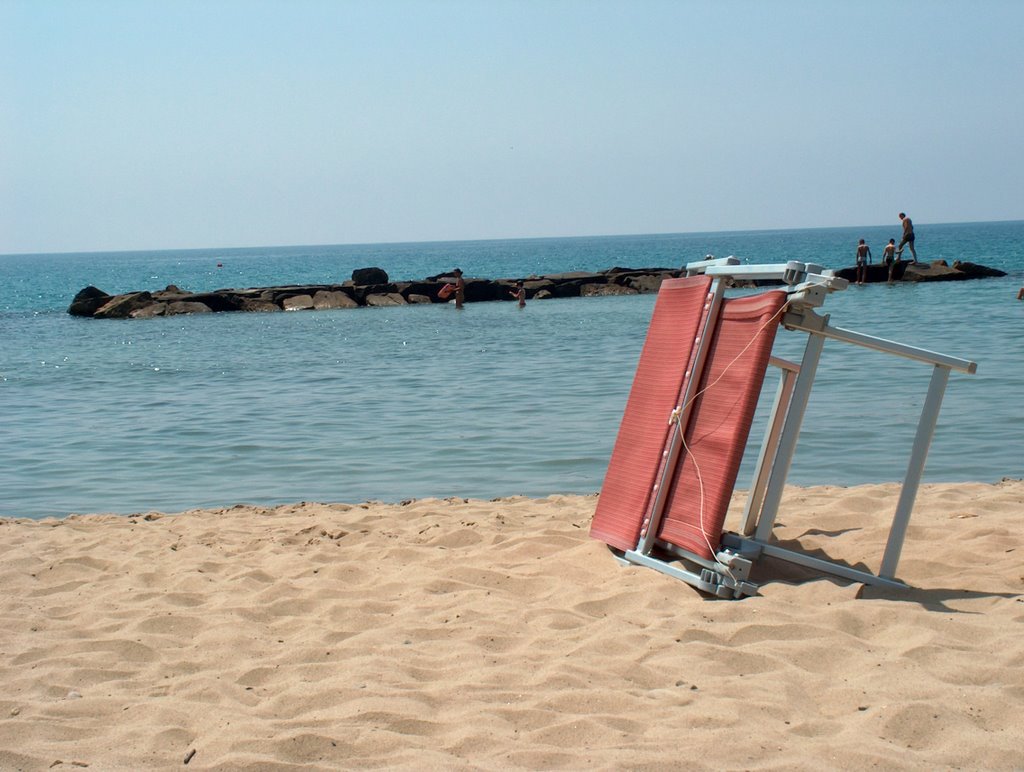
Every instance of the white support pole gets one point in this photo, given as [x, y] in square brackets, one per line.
[790, 273]
[915, 469]
[766, 457]
[790, 435]
[698, 267]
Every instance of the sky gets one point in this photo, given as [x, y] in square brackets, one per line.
[136, 124]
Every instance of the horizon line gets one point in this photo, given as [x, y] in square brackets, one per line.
[486, 240]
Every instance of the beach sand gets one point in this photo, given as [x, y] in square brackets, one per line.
[452, 634]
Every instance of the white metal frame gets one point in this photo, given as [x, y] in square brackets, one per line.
[807, 285]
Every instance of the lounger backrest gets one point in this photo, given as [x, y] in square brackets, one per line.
[716, 434]
[679, 313]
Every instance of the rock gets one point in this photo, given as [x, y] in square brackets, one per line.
[279, 295]
[427, 289]
[481, 290]
[597, 290]
[363, 276]
[615, 281]
[441, 277]
[221, 300]
[148, 312]
[297, 303]
[534, 287]
[571, 275]
[88, 301]
[385, 299]
[977, 271]
[258, 305]
[936, 270]
[167, 296]
[644, 283]
[187, 307]
[333, 299]
[642, 271]
[362, 292]
[121, 306]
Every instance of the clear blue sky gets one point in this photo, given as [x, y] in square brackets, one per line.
[146, 125]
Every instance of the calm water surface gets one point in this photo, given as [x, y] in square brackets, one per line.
[351, 405]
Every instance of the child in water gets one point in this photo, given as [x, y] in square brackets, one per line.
[519, 293]
[460, 288]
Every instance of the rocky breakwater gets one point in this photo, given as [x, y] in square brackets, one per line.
[368, 287]
[936, 270]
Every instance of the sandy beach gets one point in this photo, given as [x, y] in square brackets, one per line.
[454, 634]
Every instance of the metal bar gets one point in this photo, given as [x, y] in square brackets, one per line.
[646, 560]
[827, 566]
[690, 577]
[783, 364]
[792, 272]
[649, 529]
[766, 457]
[685, 554]
[881, 344]
[790, 435]
[915, 469]
[699, 266]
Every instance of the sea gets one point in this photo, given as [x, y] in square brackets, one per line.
[388, 404]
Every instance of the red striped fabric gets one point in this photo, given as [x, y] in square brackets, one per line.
[717, 433]
[643, 433]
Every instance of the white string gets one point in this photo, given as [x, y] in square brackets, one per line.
[682, 434]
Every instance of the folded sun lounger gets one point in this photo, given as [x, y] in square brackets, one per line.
[674, 465]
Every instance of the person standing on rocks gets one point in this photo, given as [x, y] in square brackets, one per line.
[863, 260]
[889, 257]
[908, 237]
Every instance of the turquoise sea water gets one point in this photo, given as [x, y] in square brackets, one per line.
[394, 403]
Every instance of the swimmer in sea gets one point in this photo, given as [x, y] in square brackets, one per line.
[519, 293]
[460, 288]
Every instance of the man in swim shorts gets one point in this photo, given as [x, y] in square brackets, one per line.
[908, 237]
[863, 259]
[889, 257]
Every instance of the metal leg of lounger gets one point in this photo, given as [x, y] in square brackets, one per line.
[790, 435]
[706, 581]
[766, 458]
[826, 566]
[915, 469]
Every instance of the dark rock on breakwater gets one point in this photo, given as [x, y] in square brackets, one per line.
[936, 270]
[372, 287]
[368, 287]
